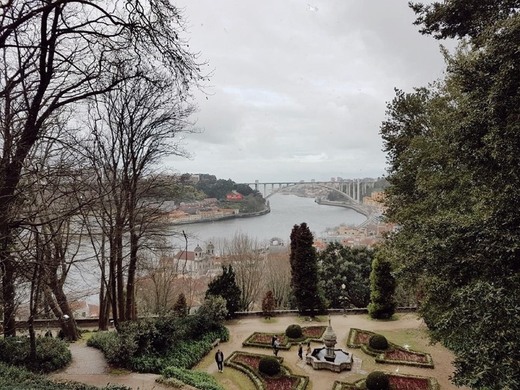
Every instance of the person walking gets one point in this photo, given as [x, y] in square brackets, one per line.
[308, 352]
[276, 346]
[300, 351]
[219, 358]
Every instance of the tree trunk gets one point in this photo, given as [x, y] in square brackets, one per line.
[8, 293]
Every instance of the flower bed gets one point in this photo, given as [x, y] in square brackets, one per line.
[263, 340]
[397, 382]
[395, 354]
[248, 364]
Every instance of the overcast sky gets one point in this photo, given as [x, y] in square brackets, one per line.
[299, 89]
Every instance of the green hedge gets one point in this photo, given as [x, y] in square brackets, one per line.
[197, 379]
[17, 378]
[51, 354]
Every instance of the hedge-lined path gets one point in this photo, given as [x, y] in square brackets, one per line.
[405, 329]
[89, 366]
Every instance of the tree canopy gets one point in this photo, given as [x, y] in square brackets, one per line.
[349, 267]
[453, 153]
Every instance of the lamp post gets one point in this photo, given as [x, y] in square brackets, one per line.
[343, 296]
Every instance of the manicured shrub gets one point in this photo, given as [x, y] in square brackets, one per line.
[51, 354]
[377, 380]
[197, 379]
[269, 365]
[294, 331]
[378, 341]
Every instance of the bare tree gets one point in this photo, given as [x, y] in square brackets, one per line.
[277, 277]
[55, 54]
[248, 259]
[132, 128]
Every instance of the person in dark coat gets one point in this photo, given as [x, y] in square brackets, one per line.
[300, 351]
[219, 358]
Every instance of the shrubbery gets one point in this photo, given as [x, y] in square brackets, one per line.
[154, 344]
[378, 341]
[51, 354]
[197, 379]
[269, 365]
[17, 378]
[294, 331]
[377, 380]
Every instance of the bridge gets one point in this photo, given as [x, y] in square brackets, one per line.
[353, 189]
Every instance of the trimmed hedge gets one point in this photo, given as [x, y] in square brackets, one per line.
[257, 378]
[269, 365]
[378, 342]
[197, 379]
[377, 380]
[294, 331]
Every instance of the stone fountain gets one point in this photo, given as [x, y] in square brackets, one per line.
[328, 357]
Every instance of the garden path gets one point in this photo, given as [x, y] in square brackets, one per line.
[89, 366]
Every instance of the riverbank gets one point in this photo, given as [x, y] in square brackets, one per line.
[201, 219]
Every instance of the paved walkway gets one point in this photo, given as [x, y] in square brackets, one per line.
[89, 366]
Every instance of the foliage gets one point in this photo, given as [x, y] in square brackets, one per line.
[294, 331]
[304, 271]
[377, 380]
[269, 365]
[197, 379]
[153, 344]
[181, 307]
[382, 286]
[214, 188]
[211, 313]
[378, 341]
[225, 285]
[455, 183]
[18, 378]
[341, 265]
[268, 304]
[51, 354]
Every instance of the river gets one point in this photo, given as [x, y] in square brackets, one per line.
[286, 211]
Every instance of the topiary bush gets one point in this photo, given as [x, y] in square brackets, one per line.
[377, 380]
[378, 341]
[294, 331]
[269, 365]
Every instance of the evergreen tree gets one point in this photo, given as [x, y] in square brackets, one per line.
[455, 185]
[304, 271]
[181, 307]
[344, 275]
[382, 288]
[268, 304]
[226, 286]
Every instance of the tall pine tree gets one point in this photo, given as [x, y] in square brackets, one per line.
[304, 271]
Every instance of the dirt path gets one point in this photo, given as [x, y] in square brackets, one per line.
[89, 366]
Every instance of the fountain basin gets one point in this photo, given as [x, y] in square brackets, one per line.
[319, 360]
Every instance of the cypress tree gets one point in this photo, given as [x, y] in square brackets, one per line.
[304, 271]
[382, 289]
